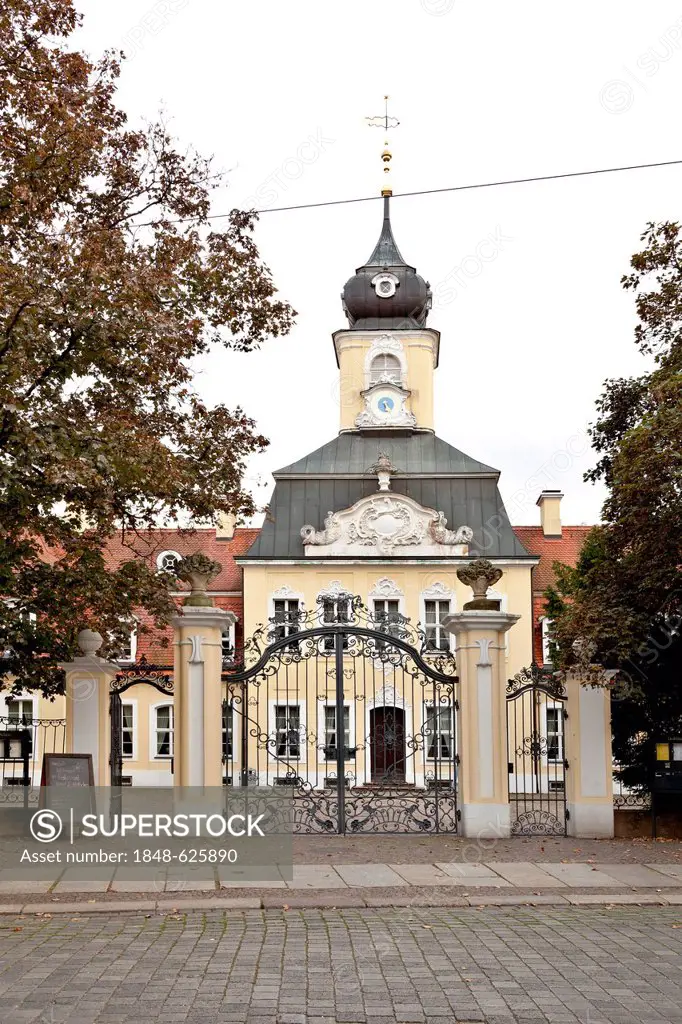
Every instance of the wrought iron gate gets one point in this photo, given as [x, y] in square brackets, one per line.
[24, 740]
[160, 678]
[355, 714]
[537, 762]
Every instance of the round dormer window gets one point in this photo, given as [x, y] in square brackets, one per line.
[385, 285]
[167, 561]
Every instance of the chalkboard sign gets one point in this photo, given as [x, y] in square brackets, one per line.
[67, 770]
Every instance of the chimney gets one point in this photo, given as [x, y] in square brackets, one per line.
[226, 524]
[550, 513]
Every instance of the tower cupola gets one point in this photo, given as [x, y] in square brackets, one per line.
[386, 293]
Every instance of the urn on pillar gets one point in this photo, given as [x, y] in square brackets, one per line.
[482, 721]
[199, 629]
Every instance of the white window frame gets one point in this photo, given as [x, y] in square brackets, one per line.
[392, 374]
[333, 594]
[322, 727]
[133, 705]
[130, 660]
[437, 592]
[433, 706]
[385, 345]
[545, 624]
[554, 705]
[153, 731]
[160, 558]
[284, 594]
[231, 634]
[288, 702]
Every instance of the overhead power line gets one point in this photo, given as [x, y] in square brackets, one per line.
[462, 188]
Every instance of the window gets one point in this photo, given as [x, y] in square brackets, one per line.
[227, 732]
[330, 733]
[555, 733]
[437, 637]
[287, 617]
[167, 561]
[127, 730]
[163, 731]
[19, 713]
[287, 730]
[228, 643]
[546, 640]
[129, 651]
[387, 616]
[385, 367]
[439, 733]
[335, 610]
[20, 716]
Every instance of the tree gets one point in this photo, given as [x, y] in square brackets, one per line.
[111, 283]
[621, 606]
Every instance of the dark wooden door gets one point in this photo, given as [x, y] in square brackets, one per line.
[387, 729]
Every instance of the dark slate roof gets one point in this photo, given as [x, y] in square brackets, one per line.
[430, 471]
[386, 252]
[415, 453]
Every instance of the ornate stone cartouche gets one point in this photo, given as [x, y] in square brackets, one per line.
[480, 575]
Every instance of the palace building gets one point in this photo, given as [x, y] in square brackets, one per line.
[369, 531]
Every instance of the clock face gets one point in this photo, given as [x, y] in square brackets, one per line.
[385, 404]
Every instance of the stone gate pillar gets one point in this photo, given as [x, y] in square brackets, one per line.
[589, 778]
[199, 629]
[483, 784]
[87, 705]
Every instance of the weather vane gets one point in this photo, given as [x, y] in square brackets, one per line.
[385, 122]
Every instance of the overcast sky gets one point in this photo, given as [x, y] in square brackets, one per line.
[278, 90]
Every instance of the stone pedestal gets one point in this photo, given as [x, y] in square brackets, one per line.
[87, 705]
[198, 695]
[589, 778]
[483, 785]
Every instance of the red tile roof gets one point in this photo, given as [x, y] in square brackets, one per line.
[150, 544]
[551, 549]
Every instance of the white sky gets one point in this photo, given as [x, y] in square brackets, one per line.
[484, 91]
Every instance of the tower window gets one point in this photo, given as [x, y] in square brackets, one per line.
[385, 367]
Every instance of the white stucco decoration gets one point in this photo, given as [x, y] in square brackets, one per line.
[334, 590]
[386, 587]
[284, 591]
[437, 591]
[385, 284]
[386, 524]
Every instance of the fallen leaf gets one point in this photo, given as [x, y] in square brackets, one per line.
[21, 929]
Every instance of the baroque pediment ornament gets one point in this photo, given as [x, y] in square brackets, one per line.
[331, 532]
[442, 535]
[386, 588]
[389, 523]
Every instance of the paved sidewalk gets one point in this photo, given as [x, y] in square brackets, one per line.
[446, 883]
[416, 966]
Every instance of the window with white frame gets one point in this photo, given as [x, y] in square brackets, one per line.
[128, 730]
[439, 732]
[287, 730]
[129, 649]
[228, 644]
[335, 610]
[437, 637]
[555, 732]
[385, 367]
[228, 731]
[20, 716]
[331, 731]
[167, 561]
[164, 723]
[286, 616]
[387, 615]
[546, 639]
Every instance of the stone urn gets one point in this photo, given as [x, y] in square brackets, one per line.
[198, 570]
[480, 575]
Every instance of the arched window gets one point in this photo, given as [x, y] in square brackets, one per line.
[385, 367]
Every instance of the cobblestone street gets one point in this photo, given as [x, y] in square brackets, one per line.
[497, 965]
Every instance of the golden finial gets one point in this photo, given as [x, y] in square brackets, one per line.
[385, 122]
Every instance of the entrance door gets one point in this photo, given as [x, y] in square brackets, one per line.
[387, 729]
